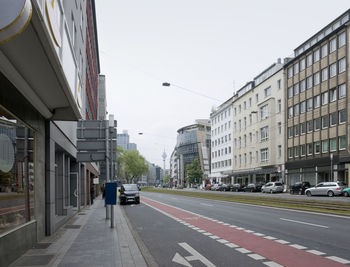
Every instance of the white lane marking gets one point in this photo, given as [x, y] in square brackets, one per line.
[232, 245]
[282, 241]
[258, 234]
[243, 250]
[256, 256]
[341, 260]
[195, 228]
[233, 226]
[220, 222]
[208, 205]
[312, 224]
[181, 260]
[200, 230]
[206, 233]
[214, 237]
[195, 255]
[316, 252]
[272, 264]
[249, 231]
[226, 224]
[240, 228]
[222, 241]
[297, 246]
[270, 237]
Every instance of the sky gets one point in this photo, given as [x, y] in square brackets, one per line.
[207, 47]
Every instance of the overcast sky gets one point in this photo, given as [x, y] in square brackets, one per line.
[212, 47]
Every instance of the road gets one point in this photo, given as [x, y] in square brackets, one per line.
[184, 231]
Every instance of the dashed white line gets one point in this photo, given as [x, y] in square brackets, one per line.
[243, 250]
[222, 241]
[258, 234]
[298, 246]
[256, 256]
[316, 252]
[272, 264]
[249, 231]
[226, 224]
[232, 245]
[233, 226]
[214, 237]
[270, 237]
[337, 259]
[282, 241]
[312, 224]
[240, 228]
[206, 233]
[200, 230]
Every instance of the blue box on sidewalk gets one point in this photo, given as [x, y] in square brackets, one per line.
[111, 193]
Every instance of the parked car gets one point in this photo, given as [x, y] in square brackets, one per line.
[252, 188]
[299, 188]
[129, 193]
[215, 187]
[224, 187]
[346, 192]
[236, 187]
[326, 189]
[272, 187]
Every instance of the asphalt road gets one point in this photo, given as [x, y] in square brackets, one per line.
[218, 233]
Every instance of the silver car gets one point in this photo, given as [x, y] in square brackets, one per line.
[273, 187]
[326, 189]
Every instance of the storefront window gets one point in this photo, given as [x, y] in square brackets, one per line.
[16, 172]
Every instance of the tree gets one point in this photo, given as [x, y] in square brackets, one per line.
[194, 172]
[134, 165]
[166, 178]
[119, 163]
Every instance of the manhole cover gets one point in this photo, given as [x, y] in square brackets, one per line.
[34, 260]
[72, 226]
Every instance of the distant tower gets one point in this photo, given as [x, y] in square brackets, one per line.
[164, 158]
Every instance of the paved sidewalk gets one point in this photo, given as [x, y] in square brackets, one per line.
[87, 240]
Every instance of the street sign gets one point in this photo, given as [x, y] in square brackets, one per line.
[96, 133]
[111, 193]
[93, 156]
[95, 145]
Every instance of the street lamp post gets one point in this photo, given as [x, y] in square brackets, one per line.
[331, 156]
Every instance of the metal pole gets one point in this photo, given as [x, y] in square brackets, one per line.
[110, 137]
[105, 123]
[331, 166]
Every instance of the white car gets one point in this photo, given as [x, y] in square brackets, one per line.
[326, 189]
[272, 187]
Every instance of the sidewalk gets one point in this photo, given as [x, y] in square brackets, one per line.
[87, 240]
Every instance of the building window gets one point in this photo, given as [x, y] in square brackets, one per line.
[296, 68]
[279, 105]
[250, 157]
[309, 82]
[325, 98]
[309, 60]
[309, 104]
[302, 107]
[296, 130]
[279, 151]
[250, 137]
[264, 155]
[296, 151]
[332, 95]
[244, 105]
[302, 86]
[290, 152]
[342, 142]
[302, 150]
[256, 98]
[342, 90]
[309, 149]
[342, 116]
[324, 146]
[279, 84]
[317, 101]
[317, 55]
[267, 91]
[309, 126]
[324, 74]
[324, 50]
[333, 144]
[279, 128]
[290, 112]
[333, 70]
[290, 92]
[290, 72]
[333, 45]
[333, 119]
[250, 101]
[264, 110]
[264, 133]
[302, 64]
[325, 122]
[256, 156]
[239, 109]
[302, 128]
[342, 65]
[296, 89]
[290, 132]
[317, 146]
[316, 78]
[296, 110]
[341, 39]
[317, 124]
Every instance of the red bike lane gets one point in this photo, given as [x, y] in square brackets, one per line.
[280, 253]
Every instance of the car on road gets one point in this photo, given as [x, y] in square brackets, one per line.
[236, 188]
[299, 188]
[224, 187]
[129, 193]
[346, 192]
[215, 187]
[252, 188]
[272, 187]
[330, 189]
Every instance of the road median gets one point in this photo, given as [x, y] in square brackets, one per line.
[324, 206]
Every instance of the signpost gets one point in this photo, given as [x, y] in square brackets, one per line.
[97, 141]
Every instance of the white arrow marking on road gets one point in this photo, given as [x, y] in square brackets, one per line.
[181, 260]
[312, 224]
[195, 255]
